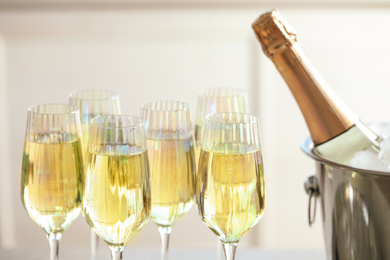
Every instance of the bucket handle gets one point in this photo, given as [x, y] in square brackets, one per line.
[312, 189]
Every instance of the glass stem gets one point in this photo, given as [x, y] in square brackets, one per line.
[229, 250]
[116, 252]
[164, 235]
[94, 244]
[54, 244]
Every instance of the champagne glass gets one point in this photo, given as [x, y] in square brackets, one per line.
[217, 100]
[116, 202]
[230, 186]
[52, 171]
[171, 156]
[93, 103]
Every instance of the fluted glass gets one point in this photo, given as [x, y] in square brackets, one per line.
[230, 191]
[52, 171]
[93, 103]
[116, 202]
[217, 100]
[172, 167]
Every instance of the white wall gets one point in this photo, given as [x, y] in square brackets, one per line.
[171, 51]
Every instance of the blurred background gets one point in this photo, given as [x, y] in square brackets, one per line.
[169, 50]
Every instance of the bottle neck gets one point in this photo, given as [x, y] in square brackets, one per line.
[325, 115]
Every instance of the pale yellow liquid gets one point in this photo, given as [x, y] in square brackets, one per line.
[172, 169]
[117, 196]
[52, 177]
[198, 133]
[230, 192]
[84, 138]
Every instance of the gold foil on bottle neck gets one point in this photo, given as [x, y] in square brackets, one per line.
[273, 32]
[326, 116]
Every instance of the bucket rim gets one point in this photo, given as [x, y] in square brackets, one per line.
[307, 146]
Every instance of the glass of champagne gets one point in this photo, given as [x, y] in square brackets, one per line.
[217, 100]
[93, 103]
[52, 170]
[116, 202]
[172, 167]
[230, 189]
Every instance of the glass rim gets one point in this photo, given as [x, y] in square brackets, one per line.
[237, 92]
[146, 106]
[72, 109]
[112, 93]
[140, 123]
[252, 119]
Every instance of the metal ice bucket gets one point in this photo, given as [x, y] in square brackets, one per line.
[355, 207]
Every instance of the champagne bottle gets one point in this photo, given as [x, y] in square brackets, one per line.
[336, 131]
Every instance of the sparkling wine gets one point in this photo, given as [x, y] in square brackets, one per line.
[336, 131]
[117, 195]
[230, 192]
[172, 170]
[84, 138]
[198, 133]
[51, 189]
